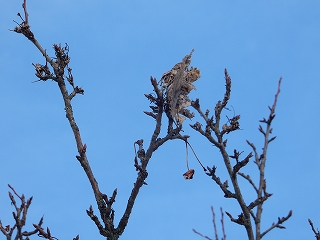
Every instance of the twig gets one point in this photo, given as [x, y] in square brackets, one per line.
[261, 162]
[24, 6]
[206, 237]
[222, 224]
[214, 224]
[249, 180]
[20, 217]
[278, 224]
[317, 233]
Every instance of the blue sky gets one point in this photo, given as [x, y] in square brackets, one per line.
[115, 46]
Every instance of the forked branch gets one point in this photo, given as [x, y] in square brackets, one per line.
[214, 133]
[15, 231]
[171, 98]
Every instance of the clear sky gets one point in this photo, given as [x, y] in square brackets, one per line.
[115, 46]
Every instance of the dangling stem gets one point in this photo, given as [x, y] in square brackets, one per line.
[187, 156]
[195, 155]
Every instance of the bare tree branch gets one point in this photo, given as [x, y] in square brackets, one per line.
[171, 98]
[20, 217]
[213, 126]
[200, 234]
[317, 233]
[277, 224]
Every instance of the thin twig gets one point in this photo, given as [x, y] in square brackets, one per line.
[200, 234]
[317, 233]
[24, 6]
[249, 180]
[277, 224]
[222, 224]
[214, 224]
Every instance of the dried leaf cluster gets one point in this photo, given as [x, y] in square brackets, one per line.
[176, 85]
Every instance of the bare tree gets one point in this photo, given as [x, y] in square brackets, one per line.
[169, 102]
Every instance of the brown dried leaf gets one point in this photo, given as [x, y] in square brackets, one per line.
[189, 174]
